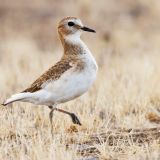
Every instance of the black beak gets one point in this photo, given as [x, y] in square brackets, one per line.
[88, 29]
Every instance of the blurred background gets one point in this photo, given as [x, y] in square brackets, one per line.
[127, 38]
[126, 93]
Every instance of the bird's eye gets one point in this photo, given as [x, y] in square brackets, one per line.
[71, 24]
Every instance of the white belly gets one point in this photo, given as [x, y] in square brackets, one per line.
[70, 86]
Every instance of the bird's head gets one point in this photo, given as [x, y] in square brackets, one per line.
[72, 27]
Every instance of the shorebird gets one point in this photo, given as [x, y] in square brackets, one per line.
[69, 78]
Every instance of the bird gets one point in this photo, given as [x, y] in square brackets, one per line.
[69, 78]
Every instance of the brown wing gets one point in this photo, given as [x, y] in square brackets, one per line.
[52, 74]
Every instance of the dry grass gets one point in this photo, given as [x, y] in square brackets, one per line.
[125, 96]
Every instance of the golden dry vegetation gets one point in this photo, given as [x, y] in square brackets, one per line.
[121, 112]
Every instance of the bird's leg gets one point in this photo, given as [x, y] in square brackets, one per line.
[74, 118]
[50, 117]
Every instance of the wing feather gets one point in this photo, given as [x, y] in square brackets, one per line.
[52, 74]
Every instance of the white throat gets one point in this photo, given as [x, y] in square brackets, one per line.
[74, 38]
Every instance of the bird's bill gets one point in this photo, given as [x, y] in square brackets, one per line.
[87, 29]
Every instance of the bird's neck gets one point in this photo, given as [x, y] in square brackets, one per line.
[73, 45]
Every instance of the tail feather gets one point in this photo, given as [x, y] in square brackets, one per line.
[15, 97]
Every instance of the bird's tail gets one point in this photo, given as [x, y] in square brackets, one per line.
[15, 97]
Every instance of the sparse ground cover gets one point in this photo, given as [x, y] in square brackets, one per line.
[121, 112]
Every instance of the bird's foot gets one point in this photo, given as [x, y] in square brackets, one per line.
[75, 119]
